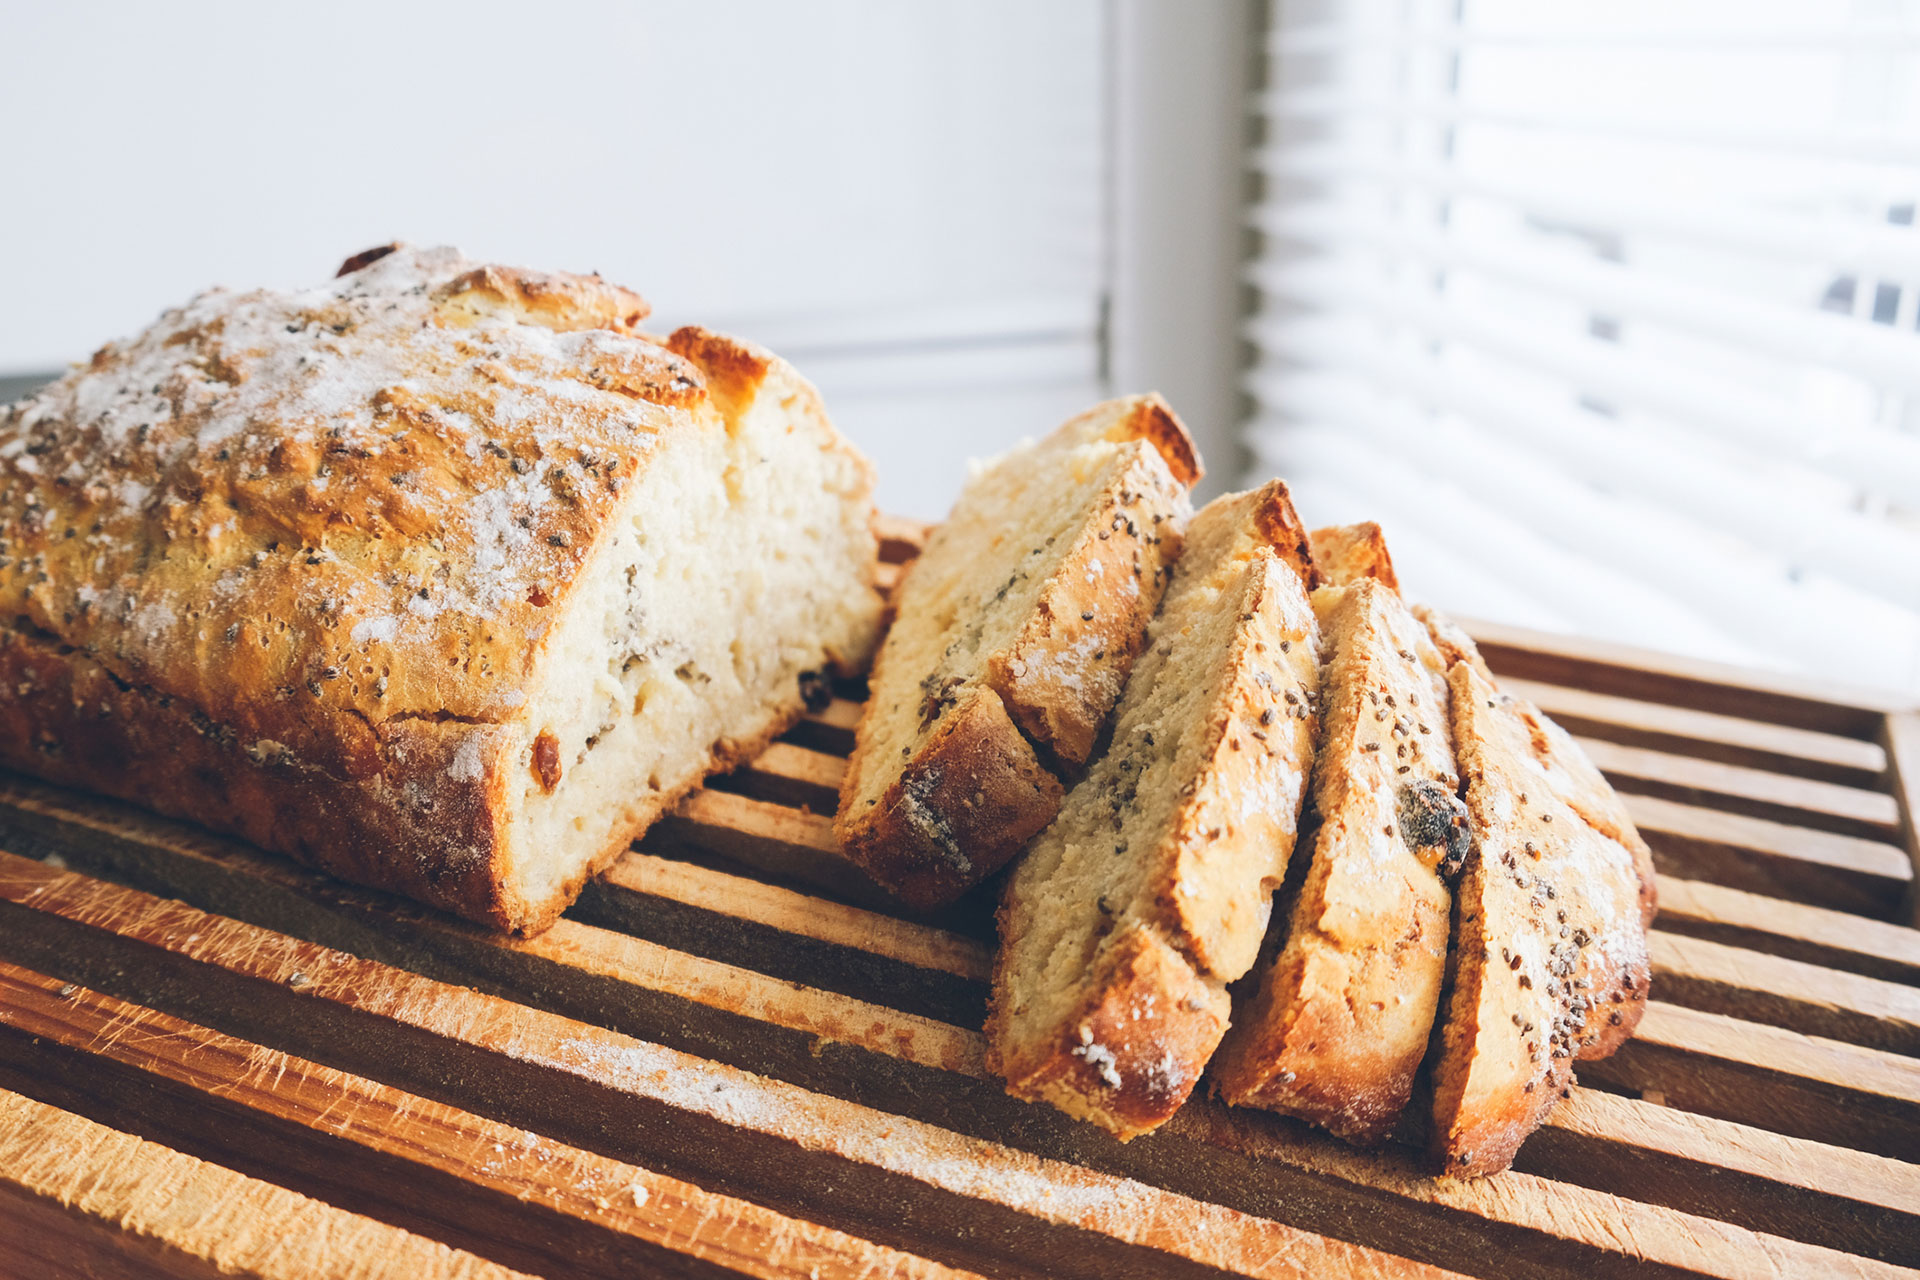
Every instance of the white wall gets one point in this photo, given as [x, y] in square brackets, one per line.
[908, 200]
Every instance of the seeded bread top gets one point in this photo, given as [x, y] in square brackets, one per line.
[370, 499]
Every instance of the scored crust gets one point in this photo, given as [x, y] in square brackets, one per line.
[1550, 958]
[1339, 1023]
[321, 552]
[1150, 891]
[1017, 625]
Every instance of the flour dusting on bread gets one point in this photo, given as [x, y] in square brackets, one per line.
[442, 576]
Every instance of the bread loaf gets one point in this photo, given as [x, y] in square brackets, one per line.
[442, 577]
[1336, 1029]
[1014, 633]
[1122, 926]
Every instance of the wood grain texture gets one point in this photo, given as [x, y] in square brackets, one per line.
[1786, 993]
[966, 1198]
[1802, 802]
[1820, 868]
[80, 1199]
[1800, 702]
[1771, 1078]
[1828, 939]
[1208, 1167]
[1685, 731]
[502, 1192]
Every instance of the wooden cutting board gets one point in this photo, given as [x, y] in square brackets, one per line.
[735, 1056]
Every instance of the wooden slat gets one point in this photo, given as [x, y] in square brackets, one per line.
[1684, 731]
[1830, 939]
[794, 913]
[1771, 1078]
[1830, 1195]
[503, 1193]
[1837, 872]
[1800, 802]
[1310, 1157]
[705, 1013]
[782, 842]
[905, 964]
[970, 1201]
[790, 775]
[1647, 675]
[1841, 873]
[829, 729]
[80, 1199]
[1901, 738]
[1785, 993]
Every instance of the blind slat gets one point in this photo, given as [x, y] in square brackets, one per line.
[1874, 352]
[1830, 37]
[1596, 597]
[1339, 105]
[1649, 545]
[1850, 548]
[1879, 460]
[1841, 244]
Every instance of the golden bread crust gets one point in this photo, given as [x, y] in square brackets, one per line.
[1234, 834]
[968, 800]
[1346, 553]
[1570, 774]
[1550, 958]
[361, 499]
[1065, 669]
[1145, 417]
[1132, 1053]
[1339, 1024]
[1125, 922]
[320, 546]
[1048, 688]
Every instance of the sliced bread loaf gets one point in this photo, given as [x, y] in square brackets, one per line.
[1014, 632]
[1336, 1030]
[1550, 958]
[1150, 892]
[442, 577]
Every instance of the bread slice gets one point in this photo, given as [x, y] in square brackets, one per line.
[1346, 553]
[1121, 927]
[1336, 1030]
[1570, 774]
[1013, 635]
[1550, 957]
[441, 577]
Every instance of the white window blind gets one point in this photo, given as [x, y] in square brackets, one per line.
[1607, 312]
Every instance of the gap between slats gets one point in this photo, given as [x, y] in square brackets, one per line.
[1802, 753]
[776, 814]
[1017, 1213]
[501, 1192]
[1017, 1115]
[81, 1198]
